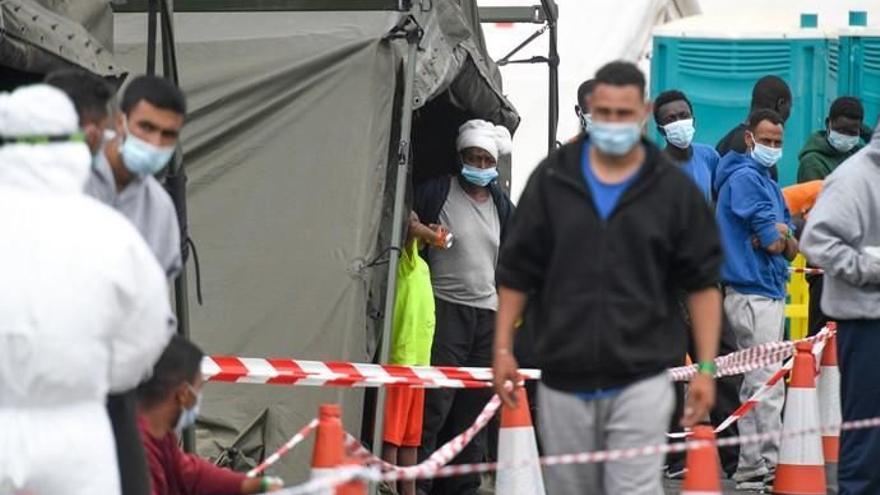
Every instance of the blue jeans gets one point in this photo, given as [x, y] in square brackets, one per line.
[858, 345]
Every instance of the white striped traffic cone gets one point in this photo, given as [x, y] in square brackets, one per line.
[829, 408]
[329, 452]
[703, 467]
[516, 444]
[801, 468]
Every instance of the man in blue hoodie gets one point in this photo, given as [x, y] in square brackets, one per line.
[757, 237]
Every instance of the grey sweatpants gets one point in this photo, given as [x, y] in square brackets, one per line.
[757, 320]
[638, 416]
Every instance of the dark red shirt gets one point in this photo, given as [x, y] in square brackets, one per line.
[174, 472]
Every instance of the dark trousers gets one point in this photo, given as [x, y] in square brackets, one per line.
[858, 345]
[463, 337]
[133, 472]
[816, 319]
[726, 401]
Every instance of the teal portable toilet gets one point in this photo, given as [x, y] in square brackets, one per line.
[716, 61]
[859, 73]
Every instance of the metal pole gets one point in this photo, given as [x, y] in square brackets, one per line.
[553, 66]
[413, 34]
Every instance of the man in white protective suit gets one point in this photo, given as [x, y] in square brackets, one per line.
[84, 306]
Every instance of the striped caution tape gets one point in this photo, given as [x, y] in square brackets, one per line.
[287, 447]
[806, 271]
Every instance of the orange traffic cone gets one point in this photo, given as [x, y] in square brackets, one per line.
[801, 469]
[703, 467]
[329, 452]
[829, 409]
[516, 444]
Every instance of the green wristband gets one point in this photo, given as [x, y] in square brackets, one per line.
[707, 368]
[264, 484]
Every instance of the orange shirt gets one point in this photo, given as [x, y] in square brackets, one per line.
[800, 198]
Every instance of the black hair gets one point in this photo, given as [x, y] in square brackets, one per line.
[768, 91]
[180, 362]
[156, 91]
[621, 73]
[760, 115]
[584, 90]
[847, 106]
[668, 97]
[89, 92]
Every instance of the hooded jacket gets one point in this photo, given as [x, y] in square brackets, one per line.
[603, 308]
[84, 307]
[842, 236]
[750, 204]
[818, 158]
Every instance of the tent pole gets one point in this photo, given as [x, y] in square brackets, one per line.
[553, 66]
[412, 33]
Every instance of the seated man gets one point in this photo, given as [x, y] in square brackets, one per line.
[169, 402]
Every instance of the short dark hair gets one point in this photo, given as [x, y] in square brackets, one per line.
[760, 115]
[847, 106]
[156, 91]
[180, 362]
[90, 93]
[768, 91]
[621, 73]
[584, 90]
[668, 97]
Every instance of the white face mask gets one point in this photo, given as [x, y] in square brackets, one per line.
[842, 142]
[680, 133]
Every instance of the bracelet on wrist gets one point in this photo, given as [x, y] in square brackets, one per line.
[707, 368]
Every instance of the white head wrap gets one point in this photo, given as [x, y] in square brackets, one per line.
[495, 139]
[41, 110]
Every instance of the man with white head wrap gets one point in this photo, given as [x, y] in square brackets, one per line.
[84, 304]
[473, 207]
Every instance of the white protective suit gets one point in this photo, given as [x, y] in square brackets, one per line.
[84, 307]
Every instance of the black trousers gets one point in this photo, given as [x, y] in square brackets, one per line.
[726, 401]
[463, 337]
[133, 472]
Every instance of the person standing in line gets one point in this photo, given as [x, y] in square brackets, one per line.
[472, 205]
[758, 243]
[769, 93]
[674, 116]
[842, 237]
[825, 150]
[84, 305]
[606, 235]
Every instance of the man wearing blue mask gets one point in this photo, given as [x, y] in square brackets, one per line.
[473, 207]
[152, 112]
[758, 243]
[606, 235]
[167, 404]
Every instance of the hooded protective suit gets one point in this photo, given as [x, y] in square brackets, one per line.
[84, 306]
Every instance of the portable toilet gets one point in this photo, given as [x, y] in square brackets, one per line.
[859, 65]
[716, 60]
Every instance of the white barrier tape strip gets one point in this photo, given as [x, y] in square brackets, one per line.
[284, 449]
[806, 271]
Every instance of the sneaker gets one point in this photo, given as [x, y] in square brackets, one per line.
[675, 473]
[753, 484]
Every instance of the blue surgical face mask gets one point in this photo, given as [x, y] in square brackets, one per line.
[188, 416]
[766, 155]
[680, 133]
[615, 138]
[142, 158]
[842, 142]
[479, 176]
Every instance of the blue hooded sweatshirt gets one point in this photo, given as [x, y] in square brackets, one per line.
[750, 204]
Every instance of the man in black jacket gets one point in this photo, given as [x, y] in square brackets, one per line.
[475, 209]
[606, 236]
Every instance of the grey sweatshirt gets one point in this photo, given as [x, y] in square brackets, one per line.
[842, 236]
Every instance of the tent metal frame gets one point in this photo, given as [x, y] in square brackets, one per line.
[547, 13]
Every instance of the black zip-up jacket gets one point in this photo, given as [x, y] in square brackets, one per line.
[603, 294]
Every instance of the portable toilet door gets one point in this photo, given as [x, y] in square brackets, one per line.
[860, 69]
[716, 61]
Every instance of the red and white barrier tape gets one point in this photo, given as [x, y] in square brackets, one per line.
[347, 474]
[339, 374]
[287, 447]
[807, 271]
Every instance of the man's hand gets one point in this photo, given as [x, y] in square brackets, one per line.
[700, 399]
[782, 229]
[505, 369]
